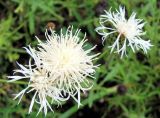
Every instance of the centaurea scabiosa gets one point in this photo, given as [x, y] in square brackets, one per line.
[69, 63]
[39, 83]
[129, 31]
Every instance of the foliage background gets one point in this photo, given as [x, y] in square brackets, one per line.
[124, 88]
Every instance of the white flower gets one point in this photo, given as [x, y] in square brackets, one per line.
[129, 31]
[61, 70]
[39, 82]
[64, 56]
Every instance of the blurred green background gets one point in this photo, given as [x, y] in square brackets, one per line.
[124, 88]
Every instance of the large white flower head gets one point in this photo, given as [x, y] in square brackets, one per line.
[39, 82]
[64, 56]
[129, 31]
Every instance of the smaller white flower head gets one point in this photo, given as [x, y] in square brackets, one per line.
[39, 82]
[129, 31]
[64, 56]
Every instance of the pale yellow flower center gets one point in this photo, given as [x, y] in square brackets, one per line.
[65, 58]
[38, 81]
[126, 29]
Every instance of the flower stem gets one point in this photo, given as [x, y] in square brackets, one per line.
[16, 82]
[103, 92]
[12, 49]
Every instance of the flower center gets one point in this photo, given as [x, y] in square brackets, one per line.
[39, 81]
[127, 29]
[65, 58]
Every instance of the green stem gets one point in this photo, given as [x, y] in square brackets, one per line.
[102, 93]
[16, 82]
[60, 18]
[101, 55]
[12, 49]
